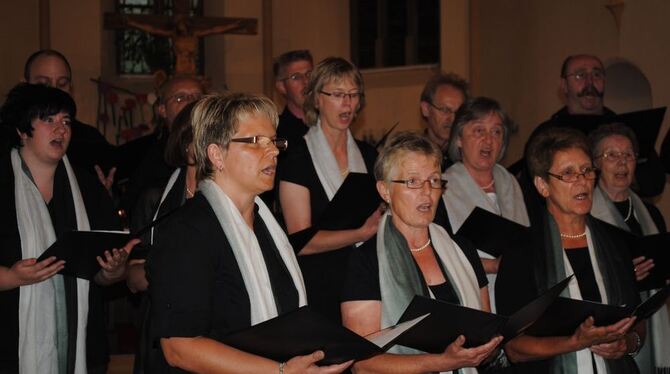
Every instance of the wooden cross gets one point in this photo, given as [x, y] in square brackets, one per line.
[183, 30]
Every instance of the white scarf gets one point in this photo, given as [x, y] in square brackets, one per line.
[463, 195]
[460, 272]
[37, 302]
[248, 252]
[166, 191]
[658, 328]
[324, 160]
[584, 364]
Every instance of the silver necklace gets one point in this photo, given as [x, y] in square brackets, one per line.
[493, 181]
[421, 248]
[630, 210]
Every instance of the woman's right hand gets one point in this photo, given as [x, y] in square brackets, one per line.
[456, 356]
[307, 364]
[29, 271]
[587, 334]
[369, 228]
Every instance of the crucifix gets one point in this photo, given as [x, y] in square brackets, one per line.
[183, 30]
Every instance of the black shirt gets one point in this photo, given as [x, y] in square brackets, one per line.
[362, 278]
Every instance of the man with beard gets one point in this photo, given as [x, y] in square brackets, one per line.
[583, 87]
[441, 97]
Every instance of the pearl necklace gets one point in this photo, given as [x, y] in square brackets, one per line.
[493, 181]
[189, 193]
[573, 236]
[421, 248]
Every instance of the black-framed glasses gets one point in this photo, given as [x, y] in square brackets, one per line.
[415, 183]
[616, 156]
[443, 109]
[595, 74]
[263, 141]
[572, 176]
[339, 96]
[297, 77]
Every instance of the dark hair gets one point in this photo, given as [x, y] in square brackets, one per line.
[180, 137]
[44, 52]
[472, 110]
[544, 146]
[397, 146]
[607, 130]
[289, 57]
[27, 102]
[443, 79]
[568, 60]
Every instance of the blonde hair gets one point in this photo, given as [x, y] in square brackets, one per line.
[216, 118]
[329, 70]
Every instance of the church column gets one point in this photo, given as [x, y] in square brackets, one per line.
[455, 37]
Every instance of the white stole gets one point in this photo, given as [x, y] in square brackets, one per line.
[584, 364]
[324, 160]
[463, 195]
[248, 252]
[658, 328]
[37, 302]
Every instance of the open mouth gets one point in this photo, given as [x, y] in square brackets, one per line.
[57, 143]
[582, 196]
[425, 207]
[345, 117]
[270, 170]
[486, 153]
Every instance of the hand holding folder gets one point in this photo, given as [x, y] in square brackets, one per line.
[304, 331]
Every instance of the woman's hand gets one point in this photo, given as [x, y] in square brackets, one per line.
[307, 364]
[114, 265]
[136, 280]
[369, 228]
[613, 350]
[456, 356]
[642, 267]
[29, 271]
[588, 335]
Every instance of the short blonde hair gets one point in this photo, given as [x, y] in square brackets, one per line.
[216, 118]
[399, 145]
[329, 70]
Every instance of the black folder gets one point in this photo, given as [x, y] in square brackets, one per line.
[304, 331]
[447, 321]
[656, 247]
[355, 200]
[492, 233]
[79, 249]
[565, 315]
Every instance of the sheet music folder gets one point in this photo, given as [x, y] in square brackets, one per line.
[656, 247]
[564, 316]
[355, 200]
[304, 331]
[447, 321]
[492, 233]
[80, 248]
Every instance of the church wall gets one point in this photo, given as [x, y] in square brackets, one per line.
[19, 37]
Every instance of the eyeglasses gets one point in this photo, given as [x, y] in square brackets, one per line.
[185, 98]
[414, 183]
[480, 132]
[616, 156]
[339, 96]
[297, 77]
[572, 176]
[263, 141]
[444, 109]
[595, 74]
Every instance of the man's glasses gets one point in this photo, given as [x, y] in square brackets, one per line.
[185, 98]
[339, 96]
[263, 141]
[443, 109]
[572, 176]
[616, 156]
[580, 76]
[297, 77]
[415, 183]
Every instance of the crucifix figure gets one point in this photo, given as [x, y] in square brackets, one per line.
[183, 30]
